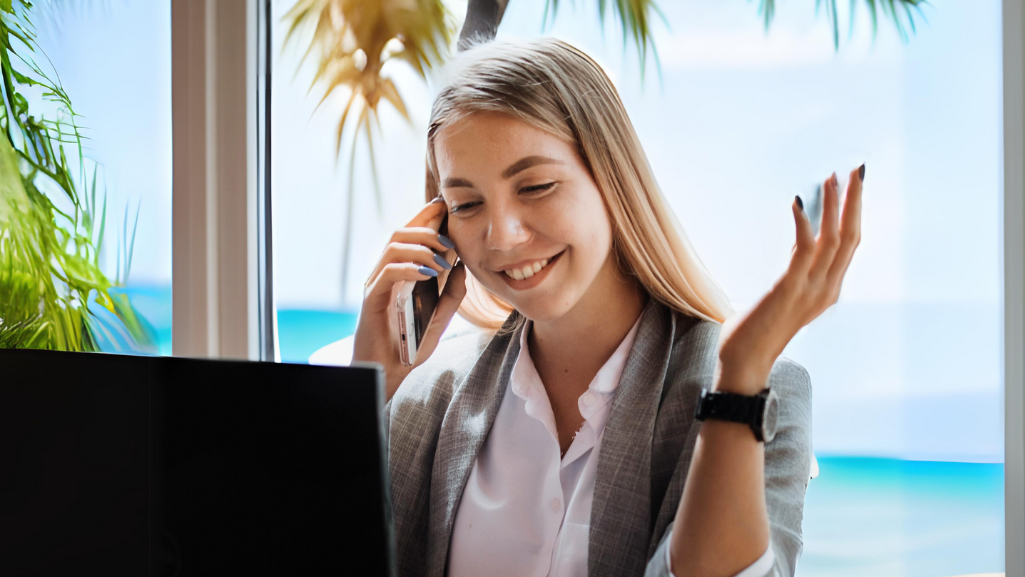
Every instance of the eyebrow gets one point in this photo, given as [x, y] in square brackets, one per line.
[527, 162]
[515, 168]
[456, 183]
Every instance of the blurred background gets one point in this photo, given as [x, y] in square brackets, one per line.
[736, 119]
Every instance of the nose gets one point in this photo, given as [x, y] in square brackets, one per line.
[506, 230]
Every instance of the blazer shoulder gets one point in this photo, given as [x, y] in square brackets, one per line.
[791, 379]
[695, 349]
[697, 333]
[438, 376]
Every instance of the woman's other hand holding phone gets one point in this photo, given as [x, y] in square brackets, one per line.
[409, 256]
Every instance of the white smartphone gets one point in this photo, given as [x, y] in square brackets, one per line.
[415, 306]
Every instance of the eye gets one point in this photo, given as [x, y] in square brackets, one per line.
[463, 207]
[538, 188]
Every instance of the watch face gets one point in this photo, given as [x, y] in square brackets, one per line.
[770, 417]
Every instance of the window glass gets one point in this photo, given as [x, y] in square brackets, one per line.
[110, 65]
[736, 121]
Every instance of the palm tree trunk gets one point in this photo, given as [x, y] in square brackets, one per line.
[482, 20]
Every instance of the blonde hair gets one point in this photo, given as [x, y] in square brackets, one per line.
[553, 86]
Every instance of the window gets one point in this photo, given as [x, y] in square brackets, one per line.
[906, 368]
[113, 62]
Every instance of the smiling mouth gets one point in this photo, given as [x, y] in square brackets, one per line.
[529, 270]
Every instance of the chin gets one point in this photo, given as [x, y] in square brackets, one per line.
[543, 308]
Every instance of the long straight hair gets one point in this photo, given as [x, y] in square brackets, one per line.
[557, 88]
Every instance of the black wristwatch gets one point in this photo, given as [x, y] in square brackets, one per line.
[760, 411]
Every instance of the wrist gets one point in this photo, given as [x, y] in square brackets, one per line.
[743, 379]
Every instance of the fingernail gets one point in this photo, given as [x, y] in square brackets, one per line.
[800, 203]
[437, 199]
[861, 173]
[445, 241]
[442, 262]
[833, 179]
[426, 270]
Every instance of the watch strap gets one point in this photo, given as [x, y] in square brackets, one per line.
[732, 407]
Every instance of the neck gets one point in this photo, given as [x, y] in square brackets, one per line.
[579, 342]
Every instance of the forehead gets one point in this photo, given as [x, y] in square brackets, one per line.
[491, 141]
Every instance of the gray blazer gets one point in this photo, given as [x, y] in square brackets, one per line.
[440, 416]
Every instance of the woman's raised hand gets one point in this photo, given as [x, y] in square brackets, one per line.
[413, 254]
[750, 343]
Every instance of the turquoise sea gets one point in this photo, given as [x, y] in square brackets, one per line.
[887, 517]
[863, 516]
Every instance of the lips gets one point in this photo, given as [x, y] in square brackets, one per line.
[528, 274]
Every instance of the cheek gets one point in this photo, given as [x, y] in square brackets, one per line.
[466, 236]
[582, 221]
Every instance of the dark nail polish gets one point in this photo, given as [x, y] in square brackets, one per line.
[800, 203]
[442, 262]
[427, 270]
[445, 241]
[861, 173]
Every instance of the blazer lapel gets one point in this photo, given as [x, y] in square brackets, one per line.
[621, 512]
[467, 421]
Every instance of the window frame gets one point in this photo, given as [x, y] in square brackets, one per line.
[1013, 208]
[221, 206]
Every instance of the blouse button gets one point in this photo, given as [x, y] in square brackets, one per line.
[588, 399]
[556, 505]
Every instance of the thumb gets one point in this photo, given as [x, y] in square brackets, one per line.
[448, 304]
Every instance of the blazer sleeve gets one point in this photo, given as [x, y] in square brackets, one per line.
[788, 464]
[787, 471]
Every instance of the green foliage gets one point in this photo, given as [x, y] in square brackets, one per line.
[901, 12]
[635, 17]
[49, 258]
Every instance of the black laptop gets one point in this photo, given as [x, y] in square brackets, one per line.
[119, 465]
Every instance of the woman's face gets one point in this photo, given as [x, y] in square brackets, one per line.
[525, 215]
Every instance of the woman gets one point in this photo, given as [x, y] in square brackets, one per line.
[565, 443]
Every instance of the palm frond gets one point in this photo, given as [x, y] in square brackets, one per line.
[902, 13]
[354, 39]
[635, 17]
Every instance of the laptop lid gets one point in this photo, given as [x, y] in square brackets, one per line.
[168, 466]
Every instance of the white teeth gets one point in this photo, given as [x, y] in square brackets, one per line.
[527, 271]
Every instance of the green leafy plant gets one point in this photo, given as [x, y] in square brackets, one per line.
[49, 257]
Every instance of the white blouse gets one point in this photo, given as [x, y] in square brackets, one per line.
[526, 510]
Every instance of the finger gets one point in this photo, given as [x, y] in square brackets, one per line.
[393, 273]
[804, 246]
[829, 235]
[414, 253]
[433, 211]
[850, 226]
[448, 304]
[422, 235]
